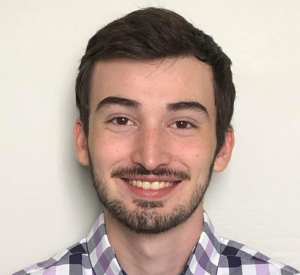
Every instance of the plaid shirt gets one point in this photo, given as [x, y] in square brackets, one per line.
[211, 255]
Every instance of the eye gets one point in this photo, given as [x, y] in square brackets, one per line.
[182, 125]
[122, 121]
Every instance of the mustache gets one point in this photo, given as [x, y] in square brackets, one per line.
[140, 171]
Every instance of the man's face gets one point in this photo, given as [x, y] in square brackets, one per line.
[151, 140]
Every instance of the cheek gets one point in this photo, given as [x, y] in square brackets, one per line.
[196, 154]
[108, 150]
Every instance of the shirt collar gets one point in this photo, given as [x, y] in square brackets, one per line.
[205, 256]
[203, 259]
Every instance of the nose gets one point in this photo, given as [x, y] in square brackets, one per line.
[152, 148]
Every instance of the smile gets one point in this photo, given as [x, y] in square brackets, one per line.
[155, 185]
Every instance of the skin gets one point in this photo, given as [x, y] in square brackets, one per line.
[153, 137]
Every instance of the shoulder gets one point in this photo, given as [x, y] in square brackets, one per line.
[240, 259]
[61, 263]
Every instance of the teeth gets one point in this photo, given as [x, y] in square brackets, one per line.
[156, 185]
[146, 185]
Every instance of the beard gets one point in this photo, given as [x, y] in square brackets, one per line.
[145, 218]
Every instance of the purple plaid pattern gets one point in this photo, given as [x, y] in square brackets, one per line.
[212, 255]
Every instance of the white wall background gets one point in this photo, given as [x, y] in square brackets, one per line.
[46, 199]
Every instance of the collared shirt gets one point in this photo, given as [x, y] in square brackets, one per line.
[212, 255]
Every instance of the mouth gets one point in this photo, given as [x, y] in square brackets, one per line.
[154, 185]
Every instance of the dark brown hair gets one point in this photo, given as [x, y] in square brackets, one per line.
[155, 33]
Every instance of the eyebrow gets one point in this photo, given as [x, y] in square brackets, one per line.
[187, 105]
[131, 103]
[115, 100]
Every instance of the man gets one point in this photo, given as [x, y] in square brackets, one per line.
[156, 98]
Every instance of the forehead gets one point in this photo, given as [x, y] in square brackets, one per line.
[154, 83]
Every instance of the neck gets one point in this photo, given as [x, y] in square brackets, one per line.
[154, 254]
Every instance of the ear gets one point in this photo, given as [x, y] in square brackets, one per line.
[224, 155]
[80, 140]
